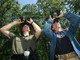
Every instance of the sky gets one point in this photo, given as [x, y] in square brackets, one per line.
[24, 2]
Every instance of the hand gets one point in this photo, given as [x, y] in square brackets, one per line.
[52, 18]
[30, 21]
[61, 15]
[18, 21]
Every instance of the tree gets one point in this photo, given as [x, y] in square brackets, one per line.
[9, 11]
[73, 5]
[29, 10]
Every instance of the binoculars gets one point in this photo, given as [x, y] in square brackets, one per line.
[22, 18]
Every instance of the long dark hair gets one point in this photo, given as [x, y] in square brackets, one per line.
[26, 23]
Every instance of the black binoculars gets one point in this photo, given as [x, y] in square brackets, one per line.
[22, 18]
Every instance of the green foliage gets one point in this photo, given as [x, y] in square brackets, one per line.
[43, 47]
[10, 10]
[73, 6]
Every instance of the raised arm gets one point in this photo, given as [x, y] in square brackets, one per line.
[36, 28]
[74, 20]
[47, 29]
[5, 29]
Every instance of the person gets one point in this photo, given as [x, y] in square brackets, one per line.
[24, 44]
[64, 45]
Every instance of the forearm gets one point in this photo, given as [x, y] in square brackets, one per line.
[61, 15]
[8, 26]
[50, 21]
[47, 26]
[73, 18]
[36, 27]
